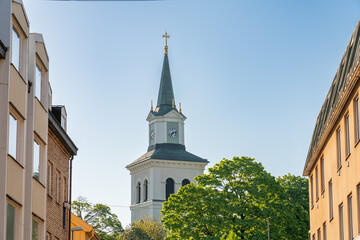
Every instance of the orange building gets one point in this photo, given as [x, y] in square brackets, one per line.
[81, 230]
[333, 160]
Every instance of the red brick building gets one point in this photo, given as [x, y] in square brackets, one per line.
[60, 153]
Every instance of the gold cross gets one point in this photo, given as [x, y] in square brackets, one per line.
[166, 36]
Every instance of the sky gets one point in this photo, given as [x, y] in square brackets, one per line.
[251, 77]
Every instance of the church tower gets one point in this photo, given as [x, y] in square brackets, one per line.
[167, 165]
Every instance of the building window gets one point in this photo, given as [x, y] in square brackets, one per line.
[169, 187]
[317, 182]
[356, 110]
[49, 178]
[35, 230]
[338, 146]
[10, 222]
[138, 192]
[347, 135]
[312, 191]
[65, 197]
[15, 49]
[57, 182]
[358, 203]
[331, 210]
[350, 216]
[319, 234]
[185, 182]
[314, 238]
[324, 231]
[146, 190]
[341, 221]
[36, 160]
[322, 174]
[13, 131]
[48, 236]
[38, 81]
[64, 216]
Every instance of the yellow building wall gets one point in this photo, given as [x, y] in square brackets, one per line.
[88, 233]
[344, 181]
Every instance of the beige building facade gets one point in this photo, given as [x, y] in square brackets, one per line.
[25, 103]
[333, 161]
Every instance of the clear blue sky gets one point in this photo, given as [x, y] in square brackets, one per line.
[251, 77]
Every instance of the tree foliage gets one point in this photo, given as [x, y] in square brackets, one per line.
[234, 201]
[144, 229]
[106, 224]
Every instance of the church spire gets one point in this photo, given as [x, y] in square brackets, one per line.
[166, 99]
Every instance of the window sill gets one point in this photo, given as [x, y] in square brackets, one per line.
[38, 181]
[347, 156]
[357, 142]
[317, 199]
[331, 219]
[16, 161]
[338, 170]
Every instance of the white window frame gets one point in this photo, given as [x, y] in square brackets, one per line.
[17, 218]
[42, 158]
[347, 135]
[356, 119]
[19, 135]
[338, 147]
[17, 65]
[38, 82]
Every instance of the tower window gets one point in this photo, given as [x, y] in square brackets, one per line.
[169, 187]
[145, 190]
[138, 192]
[185, 182]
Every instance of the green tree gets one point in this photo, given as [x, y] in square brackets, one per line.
[144, 229]
[106, 224]
[234, 201]
[296, 190]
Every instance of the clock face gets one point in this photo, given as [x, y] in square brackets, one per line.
[152, 134]
[172, 133]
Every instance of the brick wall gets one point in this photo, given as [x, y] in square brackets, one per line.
[58, 161]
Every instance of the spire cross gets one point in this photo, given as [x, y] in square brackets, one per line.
[166, 36]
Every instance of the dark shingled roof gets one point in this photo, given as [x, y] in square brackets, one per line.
[169, 151]
[343, 75]
[166, 97]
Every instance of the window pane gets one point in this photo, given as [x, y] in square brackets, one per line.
[331, 200]
[38, 77]
[36, 160]
[338, 137]
[312, 191]
[49, 182]
[319, 234]
[169, 187]
[341, 215]
[347, 133]
[15, 49]
[317, 182]
[350, 215]
[34, 230]
[324, 230]
[322, 174]
[10, 222]
[12, 136]
[357, 130]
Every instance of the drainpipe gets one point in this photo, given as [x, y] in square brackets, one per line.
[70, 183]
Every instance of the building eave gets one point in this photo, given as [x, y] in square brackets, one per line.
[344, 82]
[63, 136]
